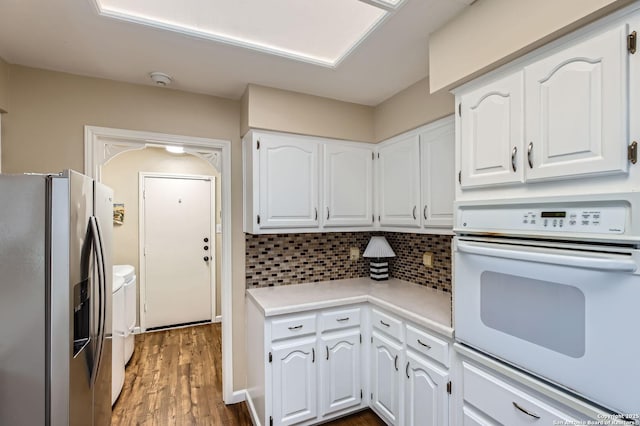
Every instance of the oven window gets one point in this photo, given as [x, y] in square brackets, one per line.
[545, 313]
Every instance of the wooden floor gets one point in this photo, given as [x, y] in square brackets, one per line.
[175, 378]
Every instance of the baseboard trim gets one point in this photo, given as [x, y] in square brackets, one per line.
[218, 318]
[237, 396]
[255, 419]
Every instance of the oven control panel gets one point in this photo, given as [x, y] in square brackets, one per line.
[593, 220]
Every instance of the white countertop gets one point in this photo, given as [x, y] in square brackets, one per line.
[425, 306]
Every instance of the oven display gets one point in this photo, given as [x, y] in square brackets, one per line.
[553, 214]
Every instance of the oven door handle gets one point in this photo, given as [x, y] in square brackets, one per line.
[613, 263]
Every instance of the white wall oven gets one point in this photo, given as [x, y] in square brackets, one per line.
[555, 290]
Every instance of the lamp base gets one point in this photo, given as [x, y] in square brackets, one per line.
[379, 271]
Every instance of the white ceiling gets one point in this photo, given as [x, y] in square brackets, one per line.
[70, 36]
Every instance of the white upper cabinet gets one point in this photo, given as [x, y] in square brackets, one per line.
[399, 182]
[491, 133]
[288, 182]
[348, 185]
[438, 180]
[576, 104]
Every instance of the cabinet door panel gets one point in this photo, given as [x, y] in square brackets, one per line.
[491, 127]
[399, 183]
[385, 381]
[576, 105]
[438, 181]
[348, 185]
[427, 402]
[294, 382]
[288, 182]
[340, 384]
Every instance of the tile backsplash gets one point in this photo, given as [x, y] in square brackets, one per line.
[285, 259]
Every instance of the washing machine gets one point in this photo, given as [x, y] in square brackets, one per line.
[117, 341]
[128, 273]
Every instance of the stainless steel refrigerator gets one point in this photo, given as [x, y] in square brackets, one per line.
[55, 300]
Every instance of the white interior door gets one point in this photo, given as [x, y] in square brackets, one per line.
[178, 250]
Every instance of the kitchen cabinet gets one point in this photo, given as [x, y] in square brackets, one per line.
[398, 170]
[385, 377]
[562, 113]
[348, 185]
[339, 371]
[437, 149]
[426, 397]
[294, 381]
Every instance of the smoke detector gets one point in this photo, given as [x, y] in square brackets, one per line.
[160, 78]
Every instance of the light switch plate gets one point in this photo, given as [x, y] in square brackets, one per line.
[354, 253]
[427, 259]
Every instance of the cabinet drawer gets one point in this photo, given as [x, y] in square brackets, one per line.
[428, 345]
[343, 318]
[506, 403]
[300, 325]
[386, 323]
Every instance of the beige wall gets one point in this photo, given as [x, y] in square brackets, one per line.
[282, 110]
[4, 86]
[122, 175]
[45, 132]
[492, 32]
[410, 108]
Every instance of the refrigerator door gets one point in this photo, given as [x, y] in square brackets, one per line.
[103, 212]
[23, 256]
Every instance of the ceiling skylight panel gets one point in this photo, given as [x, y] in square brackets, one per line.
[316, 31]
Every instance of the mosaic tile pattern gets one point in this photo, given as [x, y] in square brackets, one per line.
[285, 259]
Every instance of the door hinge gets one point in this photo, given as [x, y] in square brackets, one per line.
[258, 144]
[449, 388]
[460, 177]
[460, 109]
[270, 357]
[258, 219]
[270, 421]
[632, 152]
[378, 155]
[632, 40]
[373, 155]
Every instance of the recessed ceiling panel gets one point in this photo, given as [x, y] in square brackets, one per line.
[317, 31]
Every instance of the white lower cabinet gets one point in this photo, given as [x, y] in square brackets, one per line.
[425, 395]
[340, 372]
[385, 377]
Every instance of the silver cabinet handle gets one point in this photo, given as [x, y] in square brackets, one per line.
[513, 158]
[529, 155]
[384, 323]
[342, 319]
[395, 362]
[297, 327]
[528, 413]
[424, 212]
[424, 344]
[327, 353]
[414, 211]
[316, 209]
[327, 213]
[313, 355]
[406, 370]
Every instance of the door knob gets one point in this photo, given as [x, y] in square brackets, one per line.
[206, 240]
[206, 247]
[206, 258]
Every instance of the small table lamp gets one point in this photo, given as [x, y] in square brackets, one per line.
[378, 249]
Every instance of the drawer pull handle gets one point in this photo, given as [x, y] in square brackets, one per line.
[424, 344]
[342, 319]
[406, 370]
[384, 323]
[395, 362]
[297, 327]
[535, 416]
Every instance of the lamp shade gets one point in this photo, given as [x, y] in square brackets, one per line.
[378, 247]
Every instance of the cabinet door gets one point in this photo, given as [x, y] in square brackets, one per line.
[385, 378]
[438, 181]
[288, 182]
[426, 397]
[399, 182]
[348, 185]
[294, 382]
[340, 385]
[491, 133]
[576, 106]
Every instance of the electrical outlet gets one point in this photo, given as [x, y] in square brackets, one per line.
[354, 253]
[427, 259]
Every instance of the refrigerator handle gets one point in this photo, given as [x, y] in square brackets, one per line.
[97, 247]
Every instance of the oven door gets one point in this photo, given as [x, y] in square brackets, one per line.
[568, 315]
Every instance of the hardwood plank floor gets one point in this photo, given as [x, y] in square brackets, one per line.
[175, 378]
